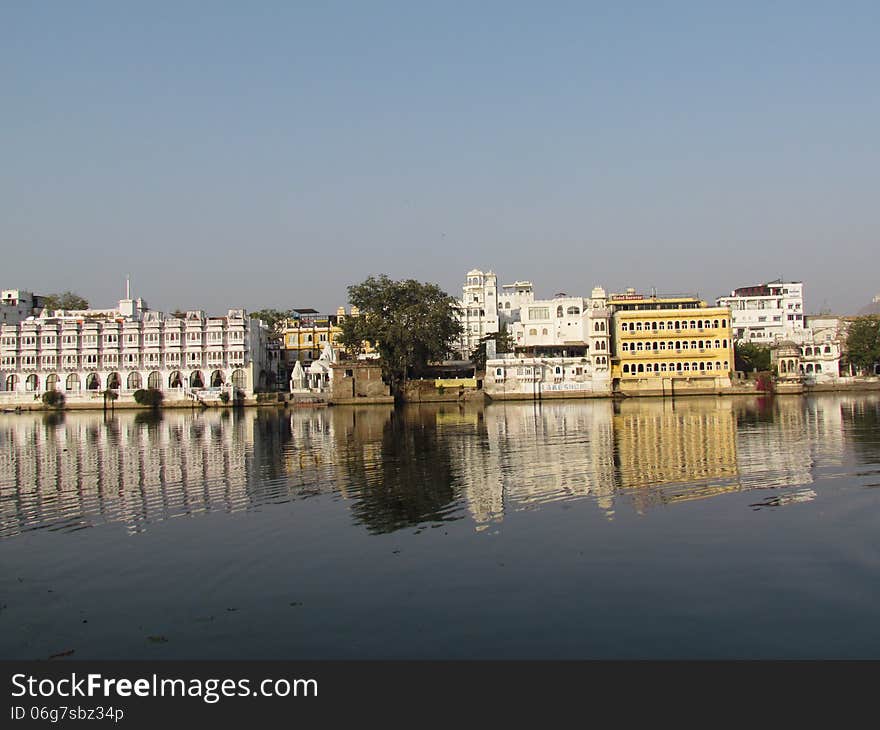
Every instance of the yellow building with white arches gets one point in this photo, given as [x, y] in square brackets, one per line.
[664, 345]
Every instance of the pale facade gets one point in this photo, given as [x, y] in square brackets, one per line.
[512, 298]
[478, 310]
[519, 376]
[82, 354]
[564, 322]
[767, 313]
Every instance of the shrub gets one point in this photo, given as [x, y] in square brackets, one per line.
[53, 399]
[224, 397]
[149, 397]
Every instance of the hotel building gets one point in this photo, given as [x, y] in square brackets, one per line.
[664, 345]
[130, 348]
[766, 313]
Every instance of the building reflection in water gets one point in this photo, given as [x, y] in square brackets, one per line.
[419, 465]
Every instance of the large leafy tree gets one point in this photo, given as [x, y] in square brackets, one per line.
[863, 342]
[65, 300]
[412, 324]
[749, 357]
[274, 319]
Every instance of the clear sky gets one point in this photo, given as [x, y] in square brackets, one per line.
[267, 154]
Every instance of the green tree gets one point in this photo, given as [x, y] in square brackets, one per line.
[863, 342]
[65, 300]
[749, 357]
[412, 324]
[503, 343]
[274, 319]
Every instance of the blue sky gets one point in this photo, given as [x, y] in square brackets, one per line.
[270, 154]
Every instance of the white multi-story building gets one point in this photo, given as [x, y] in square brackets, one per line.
[477, 310]
[16, 305]
[767, 313]
[511, 300]
[566, 322]
[130, 348]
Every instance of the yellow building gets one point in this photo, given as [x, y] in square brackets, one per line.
[307, 333]
[667, 344]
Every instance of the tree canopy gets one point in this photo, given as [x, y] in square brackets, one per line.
[749, 357]
[274, 319]
[863, 342]
[65, 300]
[412, 324]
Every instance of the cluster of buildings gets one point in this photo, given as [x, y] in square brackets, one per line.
[642, 344]
[568, 345]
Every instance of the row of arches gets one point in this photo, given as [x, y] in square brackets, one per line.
[694, 324]
[674, 367]
[817, 350]
[673, 345]
[134, 381]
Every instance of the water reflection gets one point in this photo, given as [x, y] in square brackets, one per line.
[422, 465]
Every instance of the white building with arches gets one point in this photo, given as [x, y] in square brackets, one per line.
[82, 354]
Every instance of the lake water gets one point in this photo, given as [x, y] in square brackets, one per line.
[694, 528]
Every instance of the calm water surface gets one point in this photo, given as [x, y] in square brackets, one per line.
[729, 528]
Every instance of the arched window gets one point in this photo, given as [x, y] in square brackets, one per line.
[827, 349]
[693, 366]
[626, 368]
[693, 324]
[809, 367]
[52, 382]
[625, 346]
[239, 379]
[196, 380]
[724, 343]
[818, 367]
[638, 326]
[702, 366]
[175, 380]
[544, 331]
[507, 305]
[533, 331]
[601, 345]
[559, 311]
[662, 367]
[724, 323]
[113, 381]
[72, 382]
[154, 380]
[678, 366]
[573, 310]
[134, 381]
[93, 382]
[726, 365]
[32, 383]
[679, 324]
[11, 382]
[687, 366]
[654, 326]
[216, 379]
[715, 324]
[717, 344]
